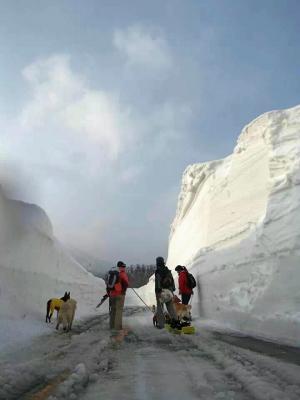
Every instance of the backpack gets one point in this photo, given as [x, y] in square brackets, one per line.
[112, 278]
[191, 281]
[167, 280]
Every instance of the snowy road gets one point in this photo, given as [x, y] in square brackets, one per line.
[147, 364]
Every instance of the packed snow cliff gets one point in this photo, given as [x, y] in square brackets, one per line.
[237, 228]
[35, 267]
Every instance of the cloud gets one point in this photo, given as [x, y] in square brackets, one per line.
[162, 208]
[88, 150]
[88, 238]
[62, 101]
[143, 47]
[130, 174]
[71, 126]
[67, 129]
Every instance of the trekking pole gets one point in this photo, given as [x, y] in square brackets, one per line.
[142, 300]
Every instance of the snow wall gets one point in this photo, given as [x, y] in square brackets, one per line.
[35, 267]
[237, 229]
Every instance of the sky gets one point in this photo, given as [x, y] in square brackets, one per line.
[103, 104]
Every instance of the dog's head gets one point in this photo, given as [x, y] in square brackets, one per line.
[66, 296]
[176, 299]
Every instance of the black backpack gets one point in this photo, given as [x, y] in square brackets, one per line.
[167, 280]
[112, 278]
[191, 281]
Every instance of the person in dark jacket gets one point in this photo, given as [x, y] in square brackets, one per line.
[184, 290]
[163, 280]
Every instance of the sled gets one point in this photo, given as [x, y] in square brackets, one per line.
[188, 330]
[185, 330]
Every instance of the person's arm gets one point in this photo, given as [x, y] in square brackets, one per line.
[173, 284]
[124, 282]
[181, 282]
[157, 283]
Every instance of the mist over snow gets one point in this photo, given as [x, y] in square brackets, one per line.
[236, 228]
[96, 266]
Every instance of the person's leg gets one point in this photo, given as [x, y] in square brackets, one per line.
[171, 310]
[119, 311]
[185, 298]
[159, 314]
[112, 312]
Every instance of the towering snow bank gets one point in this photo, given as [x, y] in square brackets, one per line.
[35, 267]
[237, 227]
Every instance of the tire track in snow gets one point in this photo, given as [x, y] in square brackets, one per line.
[85, 352]
[156, 364]
[45, 362]
[209, 378]
[263, 378]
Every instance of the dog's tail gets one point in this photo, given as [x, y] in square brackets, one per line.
[48, 310]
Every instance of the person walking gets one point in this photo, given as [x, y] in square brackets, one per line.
[163, 280]
[184, 289]
[116, 285]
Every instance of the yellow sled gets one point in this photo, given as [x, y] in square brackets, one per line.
[172, 330]
[187, 330]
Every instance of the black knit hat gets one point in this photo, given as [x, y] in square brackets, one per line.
[121, 264]
[160, 262]
[179, 268]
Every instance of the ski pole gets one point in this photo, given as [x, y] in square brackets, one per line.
[142, 300]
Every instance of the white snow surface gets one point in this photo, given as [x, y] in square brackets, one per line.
[237, 229]
[91, 363]
[35, 267]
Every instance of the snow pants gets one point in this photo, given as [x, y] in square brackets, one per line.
[116, 305]
[160, 312]
[185, 298]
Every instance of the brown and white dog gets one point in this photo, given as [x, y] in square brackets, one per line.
[182, 310]
[155, 322]
[66, 314]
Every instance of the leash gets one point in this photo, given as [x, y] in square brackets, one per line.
[191, 298]
[142, 300]
[106, 296]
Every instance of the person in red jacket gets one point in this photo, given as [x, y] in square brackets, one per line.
[183, 286]
[117, 297]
